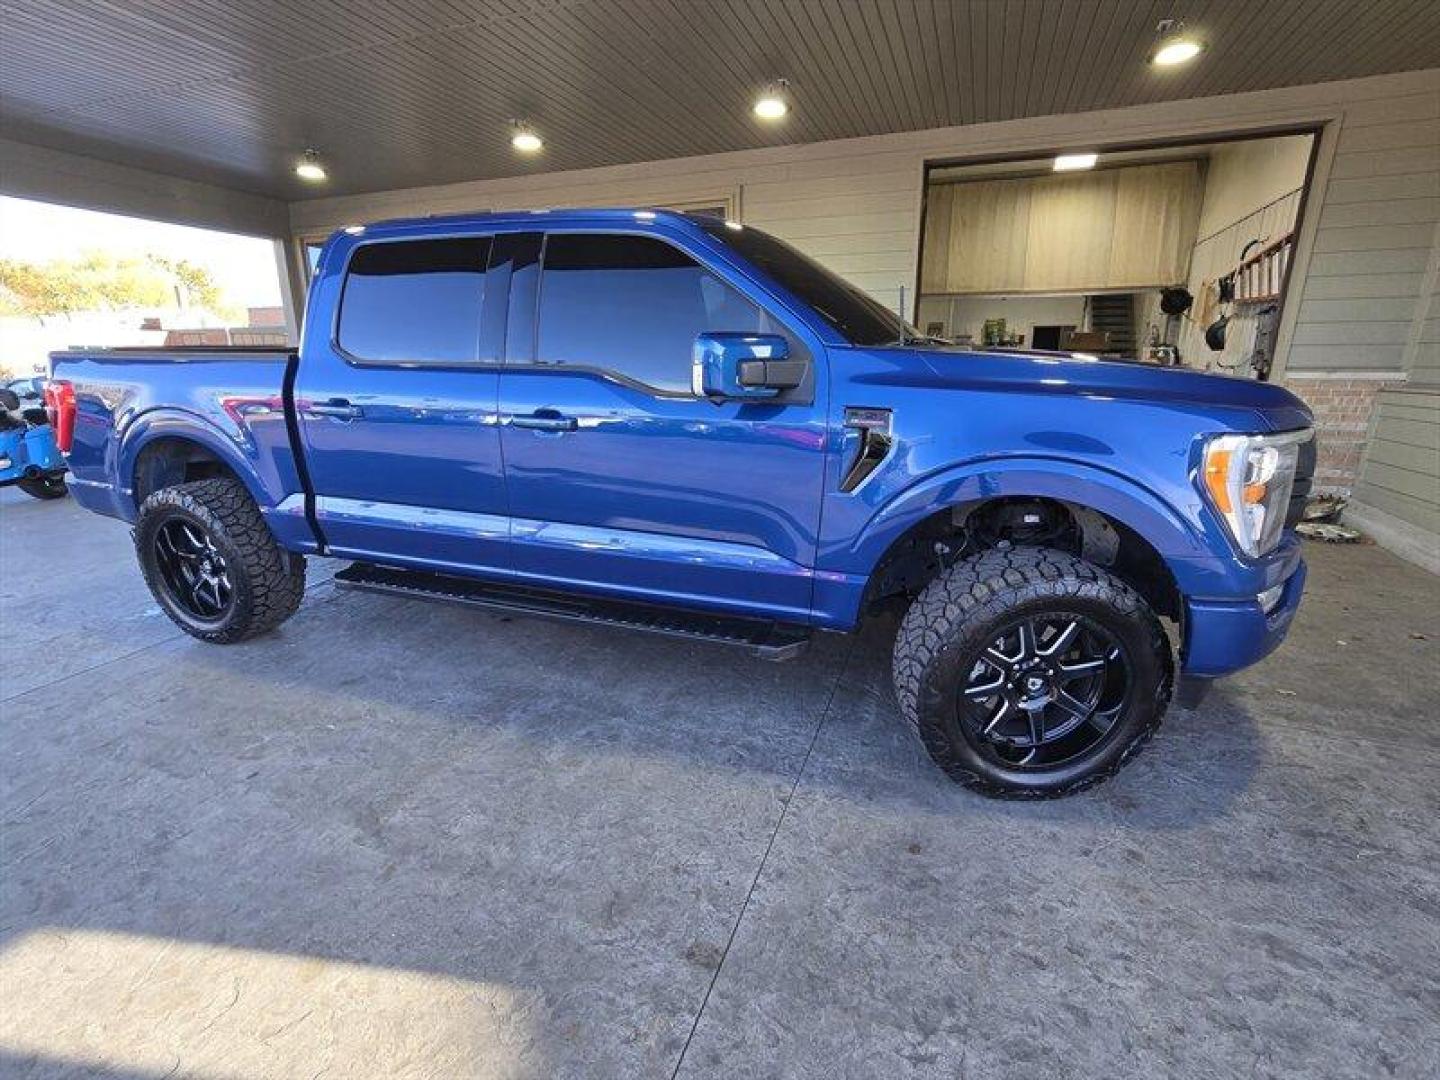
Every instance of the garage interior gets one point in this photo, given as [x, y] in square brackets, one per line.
[1029, 254]
[400, 840]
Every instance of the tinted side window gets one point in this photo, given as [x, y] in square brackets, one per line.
[633, 305]
[414, 301]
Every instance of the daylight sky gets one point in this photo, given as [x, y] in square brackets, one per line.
[243, 266]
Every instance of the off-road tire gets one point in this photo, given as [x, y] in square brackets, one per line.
[44, 487]
[268, 582]
[956, 615]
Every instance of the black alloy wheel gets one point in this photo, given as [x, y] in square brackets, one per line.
[1030, 673]
[193, 572]
[44, 487]
[1045, 692]
[212, 563]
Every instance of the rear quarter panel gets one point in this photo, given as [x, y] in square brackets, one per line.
[230, 403]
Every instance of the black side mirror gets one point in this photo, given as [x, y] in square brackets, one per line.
[9, 400]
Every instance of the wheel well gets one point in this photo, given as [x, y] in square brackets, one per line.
[168, 462]
[958, 532]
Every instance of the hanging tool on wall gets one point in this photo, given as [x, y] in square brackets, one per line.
[1215, 332]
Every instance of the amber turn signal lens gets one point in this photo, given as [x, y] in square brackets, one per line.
[1217, 474]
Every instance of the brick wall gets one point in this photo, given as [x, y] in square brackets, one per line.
[1342, 408]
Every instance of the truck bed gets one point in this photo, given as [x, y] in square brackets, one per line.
[232, 399]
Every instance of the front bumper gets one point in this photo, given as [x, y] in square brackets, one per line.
[1223, 636]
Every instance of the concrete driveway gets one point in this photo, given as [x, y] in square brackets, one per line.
[409, 840]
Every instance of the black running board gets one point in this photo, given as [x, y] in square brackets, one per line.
[765, 638]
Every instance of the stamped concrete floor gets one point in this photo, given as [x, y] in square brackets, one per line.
[408, 840]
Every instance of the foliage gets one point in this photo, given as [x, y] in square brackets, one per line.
[103, 282]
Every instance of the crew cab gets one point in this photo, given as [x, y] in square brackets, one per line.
[684, 425]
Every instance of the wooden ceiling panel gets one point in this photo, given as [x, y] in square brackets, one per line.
[395, 94]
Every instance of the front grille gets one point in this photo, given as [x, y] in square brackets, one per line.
[1304, 480]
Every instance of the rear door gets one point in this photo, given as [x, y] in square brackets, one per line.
[620, 479]
[397, 406]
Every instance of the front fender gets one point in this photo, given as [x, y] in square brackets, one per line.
[1181, 533]
[1099, 489]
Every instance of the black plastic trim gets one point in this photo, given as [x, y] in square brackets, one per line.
[297, 446]
[874, 426]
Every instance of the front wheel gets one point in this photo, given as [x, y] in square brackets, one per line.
[213, 565]
[1030, 673]
[44, 487]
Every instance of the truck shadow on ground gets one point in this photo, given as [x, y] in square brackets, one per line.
[572, 690]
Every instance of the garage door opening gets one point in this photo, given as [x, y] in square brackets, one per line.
[1174, 255]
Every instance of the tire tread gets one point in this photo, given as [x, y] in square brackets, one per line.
[967, 592]
[276, 577]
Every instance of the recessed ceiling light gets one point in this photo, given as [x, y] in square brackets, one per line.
[1173, 45]
[1071, 162]
[523, 137]
[774, 102]
[1176, 51]
[309, 167]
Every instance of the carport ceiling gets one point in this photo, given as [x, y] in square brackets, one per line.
[398, 94]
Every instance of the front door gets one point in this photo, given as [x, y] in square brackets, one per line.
[620, 479]
[397, 408]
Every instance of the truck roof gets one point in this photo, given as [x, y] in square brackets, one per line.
[604, 215]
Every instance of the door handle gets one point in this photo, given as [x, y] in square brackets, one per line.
[339, 408]
[545, 420]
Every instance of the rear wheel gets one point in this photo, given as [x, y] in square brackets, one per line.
[44, 487]
[1031, 673]
[213, 565]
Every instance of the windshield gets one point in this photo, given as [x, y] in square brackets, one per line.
[860, 319]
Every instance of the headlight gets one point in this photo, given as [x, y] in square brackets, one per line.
[1248, 479]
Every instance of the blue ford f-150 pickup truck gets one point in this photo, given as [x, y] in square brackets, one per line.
[682, 424]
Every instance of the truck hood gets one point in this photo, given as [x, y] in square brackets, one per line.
[1275, 408]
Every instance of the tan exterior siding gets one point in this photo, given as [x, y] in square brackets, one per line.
[1401, 473]
[1377, 214]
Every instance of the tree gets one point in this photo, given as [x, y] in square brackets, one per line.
[103, 282]
[196, 280]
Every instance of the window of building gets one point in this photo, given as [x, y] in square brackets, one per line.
[414, 301]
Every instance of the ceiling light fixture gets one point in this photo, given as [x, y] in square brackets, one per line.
[1173, 45]
[1071, 162]
[774, 103]
[309, 167]
[523, 137]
